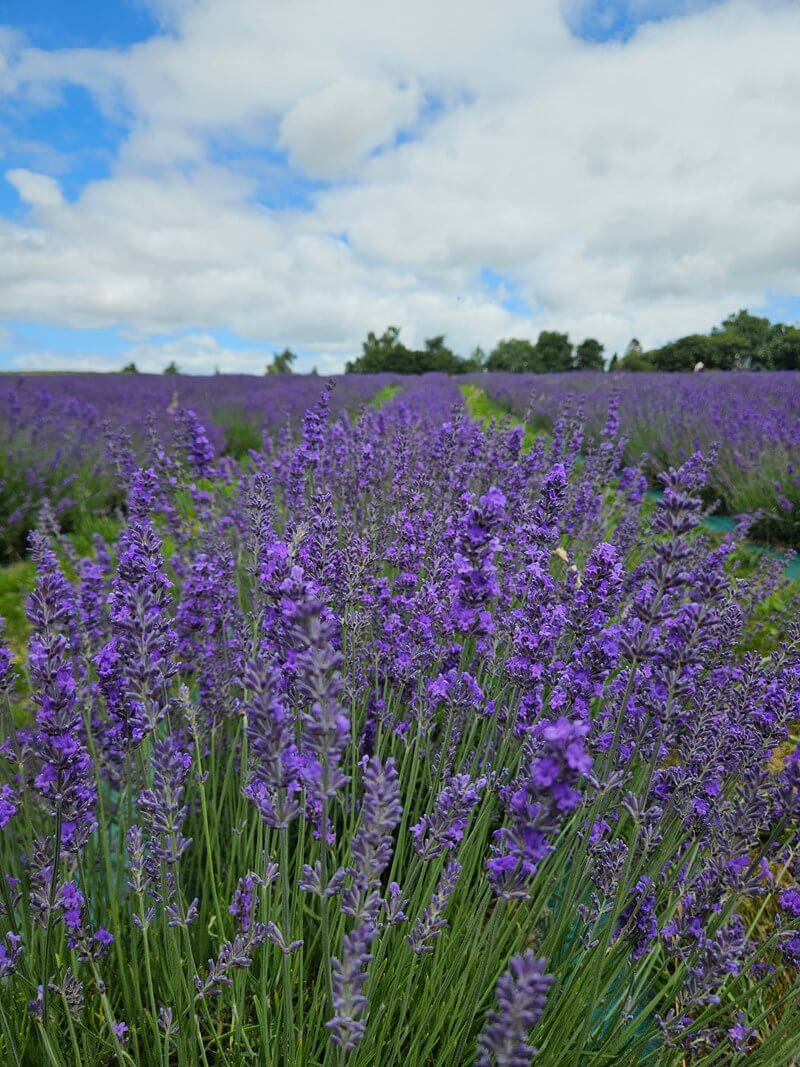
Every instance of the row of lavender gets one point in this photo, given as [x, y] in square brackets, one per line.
[406, 746]
[53, 437]
[753, 419]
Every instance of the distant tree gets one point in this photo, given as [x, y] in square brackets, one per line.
[282, 362]
[130, 368]
[476, 361]
[385, 353]
[216, 371]
[754, 330]
[555, 351]
[784, 348]
[172, 368]
[589, 355]
[314, 370]
[517, 355]
[436, 356]
[635, 358]
[614, 364]
[683, 354]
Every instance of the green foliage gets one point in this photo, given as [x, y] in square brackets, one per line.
[282, 362]
[172, 368]
[635, 359]
[743, 342]
[241, 434]
[130, 368]
[517, 355]
[387, 353]
[589, 355]
[555, 351]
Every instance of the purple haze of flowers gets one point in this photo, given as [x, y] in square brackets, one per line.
[521, 999]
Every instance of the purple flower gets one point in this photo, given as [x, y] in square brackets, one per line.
[443, 830]
[349, 976]
[8, 805]
[372, 842]
[162, 808]
[432, 921]
[10, 954]
[521, 998]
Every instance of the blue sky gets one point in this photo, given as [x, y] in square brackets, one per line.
[208, 182]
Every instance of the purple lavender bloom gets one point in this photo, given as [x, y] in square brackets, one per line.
[137, 665]
[8, 805]
[443, 830]
[162, 808]
[373, 843]
[521, 998]
[245, 900]
[10, 954]
[6, 662]
[348, 979]
[276, 767]
[192, 441]
[65, 777]
[544, 794]
[432, 921]
[474, 584]
[326, 727]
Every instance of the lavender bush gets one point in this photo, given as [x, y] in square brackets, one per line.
[55, 429]
[404, 745]
[753, 418]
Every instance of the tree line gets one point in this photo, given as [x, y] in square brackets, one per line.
[742, 342]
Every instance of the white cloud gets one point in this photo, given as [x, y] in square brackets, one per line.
[38, 190]
[329, 131]
[641, 189]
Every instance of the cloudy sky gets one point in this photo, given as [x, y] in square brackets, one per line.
[209, 180]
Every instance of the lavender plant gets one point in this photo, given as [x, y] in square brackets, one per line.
[401, 743]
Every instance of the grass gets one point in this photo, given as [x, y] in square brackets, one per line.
[483, 409]
[383, 396]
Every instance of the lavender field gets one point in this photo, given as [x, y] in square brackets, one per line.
[340, 724]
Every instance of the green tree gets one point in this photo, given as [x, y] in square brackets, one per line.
[589, 355]
[130, 368]
[436, 356]
[784, 348]
[282, 362]
[555, 351]
[635, 358]
[753, 328]
[172, 368]
[517, 355]
[384, 353]
[614, 364]
[476, 361]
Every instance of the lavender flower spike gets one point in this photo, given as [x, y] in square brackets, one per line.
[521, 998]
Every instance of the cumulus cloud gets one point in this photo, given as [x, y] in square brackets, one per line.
[329, 131]
[640, 189]
[38, 190]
